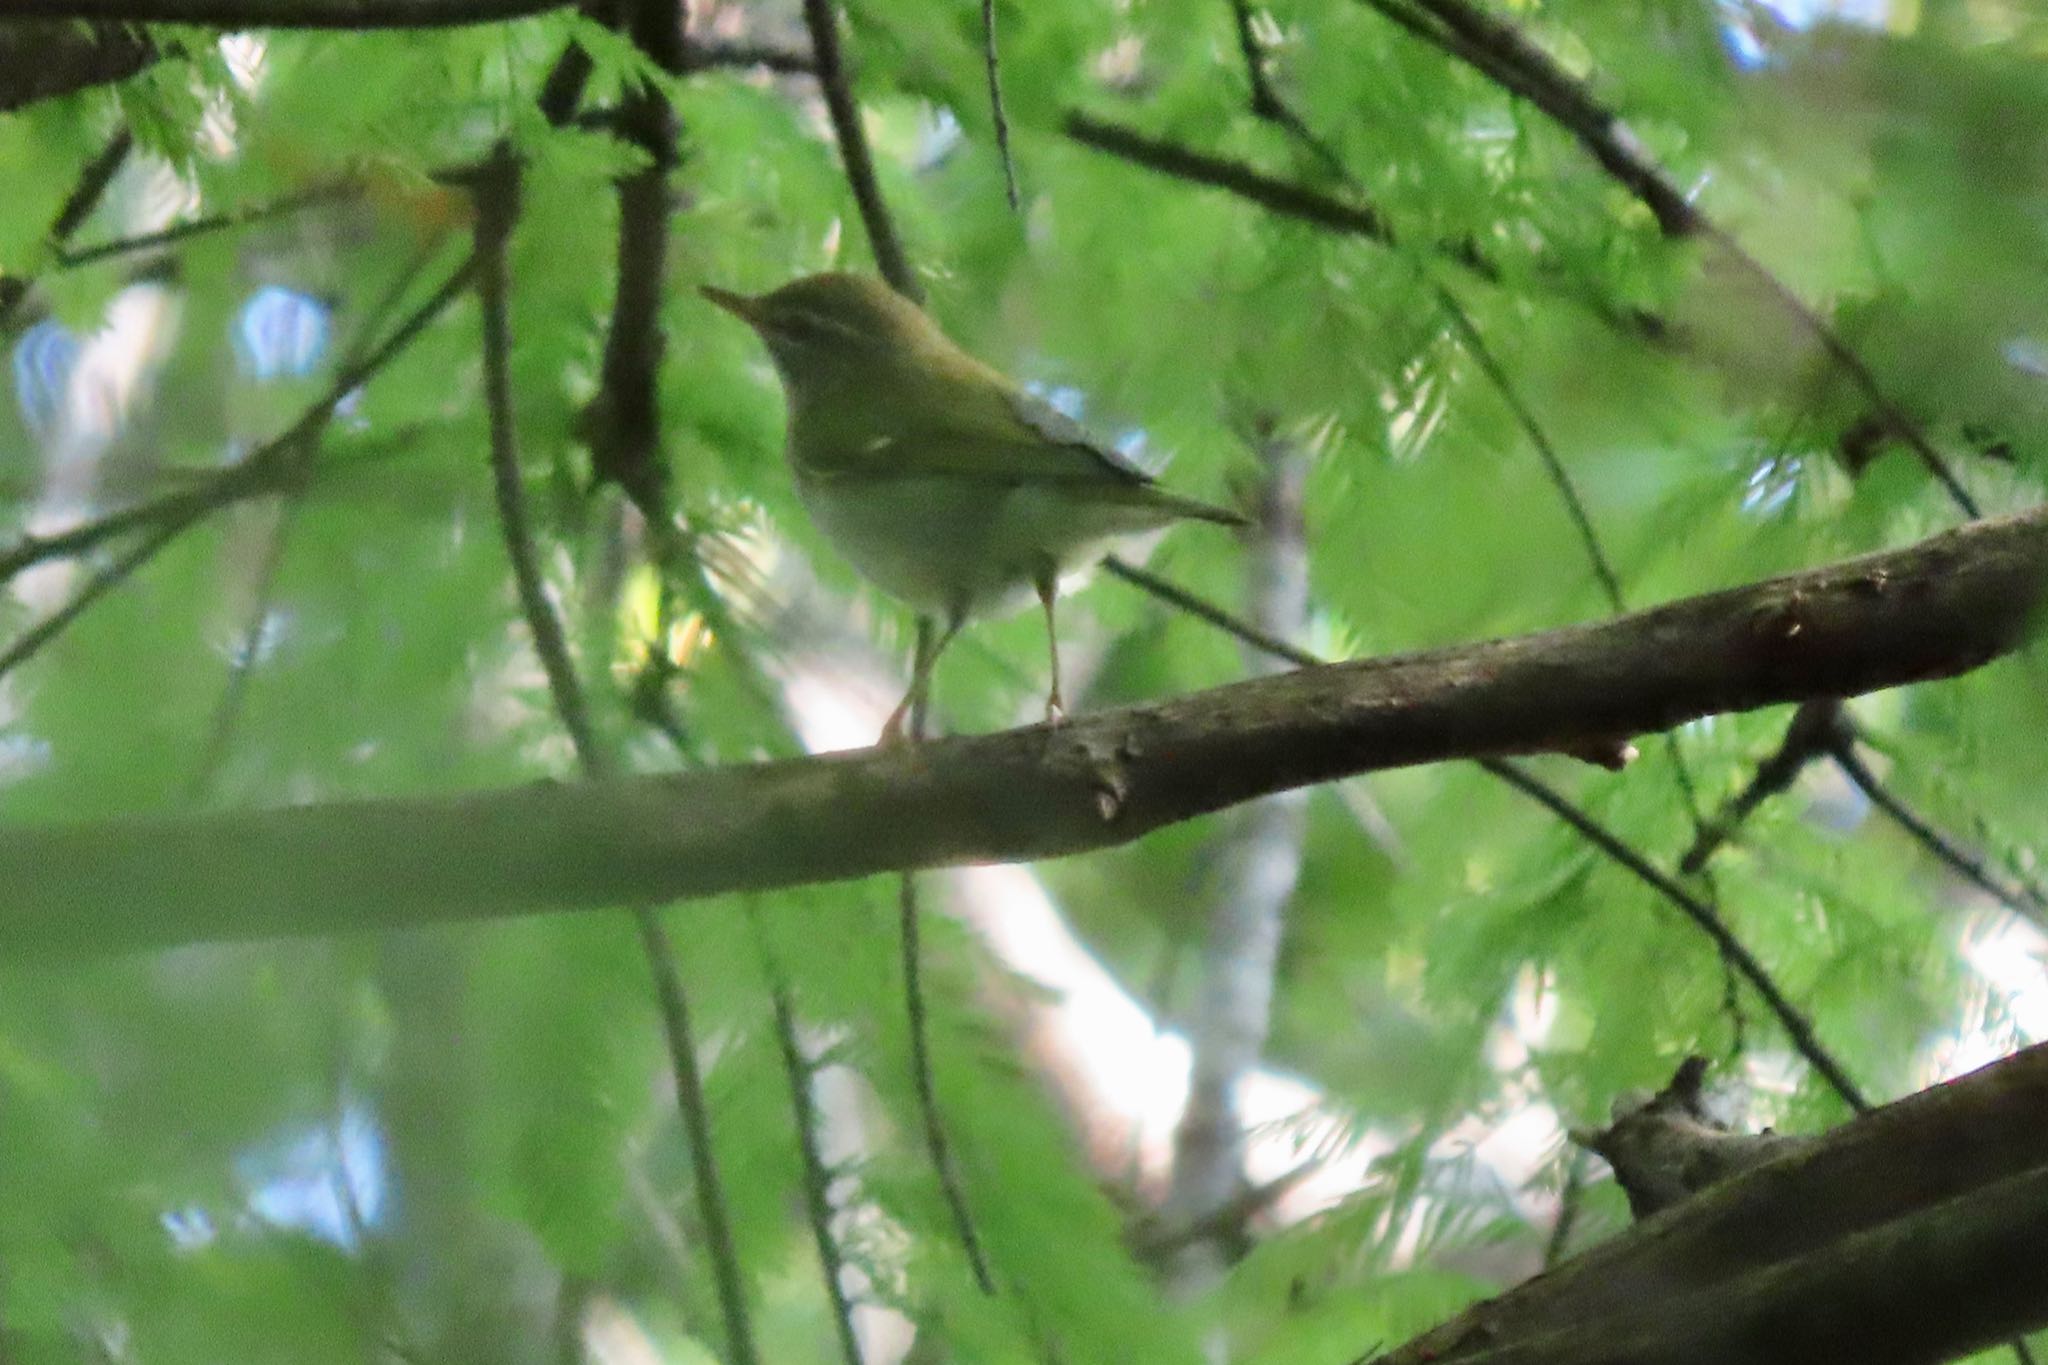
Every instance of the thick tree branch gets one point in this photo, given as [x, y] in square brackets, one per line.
[1907, 1235]
[1736, 957]
[240, 14]
[1936, 609]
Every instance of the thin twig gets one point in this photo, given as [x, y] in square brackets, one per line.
[78, 205]
[995, 102]
[923, 1082]
[1503, 55]
[817, 1175]
[497, 200]
[227, 712]
[497, 207]
[281, 207]
[696, 1111]
[935, 1139]
[854, 152]
[104, 580]
[2023, 899]
[1560, 477]
[241, 664]
[1795, 1024]
[1267, 102]
[1703, 915]
[168, 517]
[1246, 182]
[742, 56]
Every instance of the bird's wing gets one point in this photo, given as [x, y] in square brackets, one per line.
[1005, 434]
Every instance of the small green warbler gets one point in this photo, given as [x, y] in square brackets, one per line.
[951, 488]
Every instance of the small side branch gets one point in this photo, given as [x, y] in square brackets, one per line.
[2020, 897]
[1789, 1017]
[993, 64]
[937, 1144]
[817, 1176]
[1810, 735]
[1236, 177]
[85, 196]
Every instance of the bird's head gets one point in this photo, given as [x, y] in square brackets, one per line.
[833, 325]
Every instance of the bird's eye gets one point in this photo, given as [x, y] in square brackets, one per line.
[805, 329]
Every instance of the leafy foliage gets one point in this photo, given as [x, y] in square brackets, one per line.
[356, 633]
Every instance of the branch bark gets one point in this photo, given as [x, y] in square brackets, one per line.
[1907, 1235]
[1936, 609]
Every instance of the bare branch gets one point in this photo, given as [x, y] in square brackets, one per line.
[40, 61]
[1935, 609]
[1246, 182]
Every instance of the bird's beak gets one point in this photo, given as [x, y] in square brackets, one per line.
[741, 306]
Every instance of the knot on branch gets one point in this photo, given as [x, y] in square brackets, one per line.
[1668, 1148]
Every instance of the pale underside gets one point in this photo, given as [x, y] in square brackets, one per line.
[955, 547]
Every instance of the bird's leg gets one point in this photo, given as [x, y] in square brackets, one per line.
[920, 670]
[931, 642]
[1048, 589]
